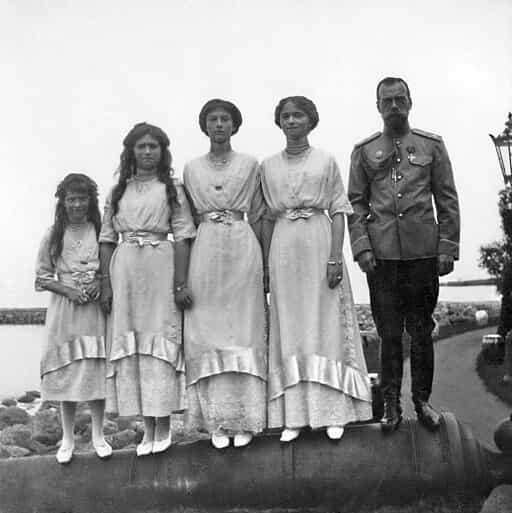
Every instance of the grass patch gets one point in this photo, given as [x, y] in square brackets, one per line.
[492, 376]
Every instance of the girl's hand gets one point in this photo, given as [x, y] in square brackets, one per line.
[183, 298]
[106, 296]
[93, 290]
[79, 297]
[334, 274]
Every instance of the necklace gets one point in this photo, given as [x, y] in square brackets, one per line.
[220, 161]
[143, 183]
[77, 232]
[298, 156]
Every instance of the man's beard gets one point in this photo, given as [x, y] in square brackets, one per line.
[396, 121]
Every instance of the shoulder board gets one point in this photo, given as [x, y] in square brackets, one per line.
[428, 135]
[368, 139]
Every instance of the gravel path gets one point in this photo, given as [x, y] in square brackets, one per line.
[457, 387]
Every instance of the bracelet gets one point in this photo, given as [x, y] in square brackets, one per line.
[179, 288]
[334, 262]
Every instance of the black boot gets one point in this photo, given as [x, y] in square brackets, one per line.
[429, 417]
[392, 416]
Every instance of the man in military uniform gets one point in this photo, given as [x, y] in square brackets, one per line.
[401, 243]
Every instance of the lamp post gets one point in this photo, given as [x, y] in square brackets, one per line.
[503, 146]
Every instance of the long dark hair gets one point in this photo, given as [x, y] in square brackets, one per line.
[77, 183]
[127, 167]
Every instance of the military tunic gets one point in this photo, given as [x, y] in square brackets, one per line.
[391, 187]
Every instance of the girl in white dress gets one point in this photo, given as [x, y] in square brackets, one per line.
[225, 342]
[73, 358]
[317, 372]
[144, 285]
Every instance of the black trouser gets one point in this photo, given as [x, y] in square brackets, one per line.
[405, 292]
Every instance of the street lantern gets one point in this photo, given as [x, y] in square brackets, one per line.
[503, 145]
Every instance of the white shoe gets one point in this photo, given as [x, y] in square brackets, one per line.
[242, 439]
[144, 448]
[289, 434]
[103, 450]
[162, 445]
[64, 454]
[335, 432]
[220, 441]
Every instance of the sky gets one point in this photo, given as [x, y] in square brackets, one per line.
[77, 75]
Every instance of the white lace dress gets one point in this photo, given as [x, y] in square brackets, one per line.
[317, 371]
[225, 339]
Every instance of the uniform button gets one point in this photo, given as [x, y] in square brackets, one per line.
[399, 177]
[401, 215]
[398, 159]
[399, 194]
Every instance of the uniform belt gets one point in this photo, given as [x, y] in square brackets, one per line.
[222, 216]
[142, 238]
[300, 213]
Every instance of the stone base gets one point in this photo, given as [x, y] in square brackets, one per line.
[499, 500]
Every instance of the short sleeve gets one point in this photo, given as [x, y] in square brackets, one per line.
[108, 233]
[257, 207]
[45, 269]
[182, 222]
[267, 215]
[338, 201]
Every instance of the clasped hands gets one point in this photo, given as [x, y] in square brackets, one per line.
[87, 293]
[367, 263]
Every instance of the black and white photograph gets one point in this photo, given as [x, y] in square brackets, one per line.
[257, 256]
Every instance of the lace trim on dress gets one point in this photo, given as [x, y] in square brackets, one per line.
[156, 345]
[319, 369]
[218, 361]
[78, 348]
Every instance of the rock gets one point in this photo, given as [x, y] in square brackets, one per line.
[19, 435]
[46, 427]
[127, 423]
[38, 448]
[13, 451]
[110, 427]
[481, 318]
[9, 401]
[13, 415]
[499, 501]
[47, 405]
[82, 421]
[27, 398]
[4, 453]
[122, 439]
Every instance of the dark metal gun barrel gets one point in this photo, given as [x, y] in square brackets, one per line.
[365, 464]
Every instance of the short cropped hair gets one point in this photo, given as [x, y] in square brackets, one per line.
[388, 81]
[302, 103]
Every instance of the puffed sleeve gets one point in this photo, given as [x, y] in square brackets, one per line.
[182, 222]
[339, 203]
[257, 207]
[108, 233]
[45, 269]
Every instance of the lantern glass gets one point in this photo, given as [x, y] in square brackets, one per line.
[503, 145]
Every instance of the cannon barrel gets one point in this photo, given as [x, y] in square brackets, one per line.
[364, 465]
